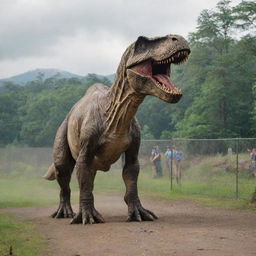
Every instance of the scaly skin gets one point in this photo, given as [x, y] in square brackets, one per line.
[102, 125]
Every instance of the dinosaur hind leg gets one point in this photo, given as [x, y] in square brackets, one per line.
[64, 165]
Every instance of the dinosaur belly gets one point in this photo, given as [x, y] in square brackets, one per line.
[109, 152]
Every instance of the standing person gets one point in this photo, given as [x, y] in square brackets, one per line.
[178, 156]
[168, 158]
[156, 160]
[253, 159]
[152, 157]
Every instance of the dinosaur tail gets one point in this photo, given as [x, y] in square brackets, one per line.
[51, 173]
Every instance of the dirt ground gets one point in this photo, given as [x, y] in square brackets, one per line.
[183, 229]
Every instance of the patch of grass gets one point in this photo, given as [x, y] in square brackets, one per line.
[210, 194]
[22, 191]
[109, 181]
[21, 236]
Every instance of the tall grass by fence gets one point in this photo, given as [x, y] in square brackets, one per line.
[212, 167]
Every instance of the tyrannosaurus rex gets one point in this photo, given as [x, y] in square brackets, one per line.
[101, 126]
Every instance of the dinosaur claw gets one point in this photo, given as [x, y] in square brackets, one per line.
[86, 216]
[138, 213]
[76, 219]
[64, 211]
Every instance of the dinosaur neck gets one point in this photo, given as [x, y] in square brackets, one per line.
[123, 105]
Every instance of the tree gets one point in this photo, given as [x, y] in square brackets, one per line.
[146, 134]
[10, 100]
[222, 105]
[245, 16]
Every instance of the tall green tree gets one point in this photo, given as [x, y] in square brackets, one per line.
[222, 105]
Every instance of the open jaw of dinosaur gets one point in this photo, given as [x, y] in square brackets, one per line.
[159, 71]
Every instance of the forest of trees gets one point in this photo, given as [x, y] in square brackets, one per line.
[218, 83]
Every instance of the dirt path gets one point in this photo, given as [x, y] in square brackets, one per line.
[183, 229]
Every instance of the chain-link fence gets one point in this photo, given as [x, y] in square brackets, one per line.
[223, 168]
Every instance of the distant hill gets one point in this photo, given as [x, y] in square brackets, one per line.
[32, 75]
[23, 78]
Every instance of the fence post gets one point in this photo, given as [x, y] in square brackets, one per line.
[171, 177]
[237, 171]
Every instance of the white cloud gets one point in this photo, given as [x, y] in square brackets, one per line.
[84, 36]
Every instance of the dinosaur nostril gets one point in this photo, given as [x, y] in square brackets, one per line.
[174, 39]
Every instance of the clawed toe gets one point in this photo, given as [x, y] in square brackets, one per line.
[64, 211]
[138, 213]
[87, 217]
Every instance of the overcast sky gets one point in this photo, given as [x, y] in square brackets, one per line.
[83, 36]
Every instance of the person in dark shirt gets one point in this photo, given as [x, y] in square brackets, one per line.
[156, 160]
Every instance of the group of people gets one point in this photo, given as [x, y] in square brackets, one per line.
[174, 155]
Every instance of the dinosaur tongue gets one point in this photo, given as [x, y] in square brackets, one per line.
[164, 79]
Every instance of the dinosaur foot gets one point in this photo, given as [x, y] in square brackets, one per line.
[137, 213]
[87, 216]
[64, 211]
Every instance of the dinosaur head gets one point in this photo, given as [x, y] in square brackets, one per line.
[148, 65]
